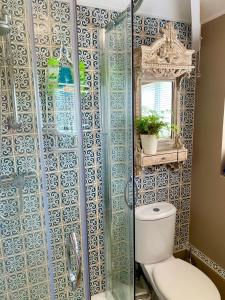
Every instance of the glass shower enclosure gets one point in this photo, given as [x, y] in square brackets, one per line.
[44, 249]
[116, 48]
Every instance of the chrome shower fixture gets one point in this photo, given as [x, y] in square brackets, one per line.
[5, 23]
[5, 27]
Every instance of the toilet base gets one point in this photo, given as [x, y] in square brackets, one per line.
[169, 280]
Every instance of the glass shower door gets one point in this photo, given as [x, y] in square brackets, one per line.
[55, 35]
[43, 239]
[118, 149]
[25, 248]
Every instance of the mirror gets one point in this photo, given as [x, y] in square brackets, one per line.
[158, 96]
[159, 71]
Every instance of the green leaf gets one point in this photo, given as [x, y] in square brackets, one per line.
[150, 125]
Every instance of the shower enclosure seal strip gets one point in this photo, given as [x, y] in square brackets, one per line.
[41, 146]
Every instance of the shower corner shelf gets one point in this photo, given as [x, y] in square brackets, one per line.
[171, 157]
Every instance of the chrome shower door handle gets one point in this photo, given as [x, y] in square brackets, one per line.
[126, 193]
[73, 249]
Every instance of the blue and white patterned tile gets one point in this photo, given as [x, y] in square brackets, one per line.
[60, 12]
[149, 197]
[84, 38]
[71, 214]
[83, 15]
[37, 275]
[36, 258]
[55, 217]
[39, 291]
[14, 264]
[151, 26]
[24, 144]
[162, 194]
[12, 246]
[137, 23]
[17, 281]
[162, 179]
[14, 7]
[70, 196]
[21, 294]
[174, 193]
[32, 222]
[34, 241]
[100, 17]
[18, 30]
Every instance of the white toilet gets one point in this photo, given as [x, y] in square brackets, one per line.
[171, 278]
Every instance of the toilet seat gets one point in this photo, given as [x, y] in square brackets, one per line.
[178, 280]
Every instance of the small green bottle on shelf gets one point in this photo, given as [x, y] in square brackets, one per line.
[52, 75]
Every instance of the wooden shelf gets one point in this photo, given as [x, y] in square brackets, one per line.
[163, 157]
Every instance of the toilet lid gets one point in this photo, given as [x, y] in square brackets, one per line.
[177, 279]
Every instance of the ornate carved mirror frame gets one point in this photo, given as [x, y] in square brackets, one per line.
[166, 59]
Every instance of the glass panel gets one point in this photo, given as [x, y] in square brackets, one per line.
[118, 165]
[157, 97]
[42, 199]
[57, 67]
[25, 249]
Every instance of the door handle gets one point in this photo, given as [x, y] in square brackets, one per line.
[73, 249]
[126, 192]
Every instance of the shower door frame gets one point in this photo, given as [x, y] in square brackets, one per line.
[107, 176]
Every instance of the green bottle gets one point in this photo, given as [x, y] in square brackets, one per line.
[52, 75]
[83, 83]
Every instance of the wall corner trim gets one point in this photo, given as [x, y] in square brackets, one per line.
[208, 261]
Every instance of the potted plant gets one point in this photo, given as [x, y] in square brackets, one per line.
[149, 127]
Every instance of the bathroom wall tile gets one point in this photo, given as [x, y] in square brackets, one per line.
[84, 15]
[10, 228]
[84, 38]
[14, 264]
[35, 258]
[151, 26]
[39, 291]
[137, 23]
[24, 144]
[33, 240]
[60, 12]
[162, 179]
[32, 222]
[24, 101]
[16, 281]
[37, 275]
[162, 194]
[174, 193]
[149, 197]
[18, 32]
[12, 246]
[14, 7]
[21, 294]
[100, 17]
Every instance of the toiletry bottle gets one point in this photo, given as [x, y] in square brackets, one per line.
[83, 83]
[52, 75]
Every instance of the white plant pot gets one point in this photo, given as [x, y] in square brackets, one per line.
[149, 143]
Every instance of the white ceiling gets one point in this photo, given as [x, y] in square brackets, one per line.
[168, 9]
[211, 9]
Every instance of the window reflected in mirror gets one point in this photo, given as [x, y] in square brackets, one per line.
[157, 97]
